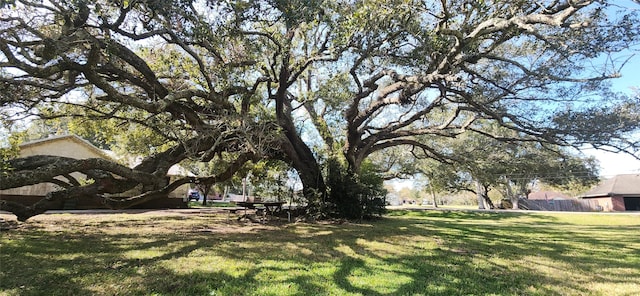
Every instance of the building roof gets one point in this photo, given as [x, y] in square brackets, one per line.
[74, 138]
[626, 185]
[175, 170]
[178, 170]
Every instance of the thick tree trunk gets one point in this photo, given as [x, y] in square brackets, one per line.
[480, 195]
[303, 161]
[296, 150]
[513, 197]
[514, 203]
[433, 195]
[205, 193]
[524, 192]
[489, 202]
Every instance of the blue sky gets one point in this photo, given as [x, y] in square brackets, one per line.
[618, 163]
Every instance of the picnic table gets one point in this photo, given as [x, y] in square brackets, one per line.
[271, 207]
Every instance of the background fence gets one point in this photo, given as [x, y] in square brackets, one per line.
[577, 205]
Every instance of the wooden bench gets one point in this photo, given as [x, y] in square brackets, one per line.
[235, 209]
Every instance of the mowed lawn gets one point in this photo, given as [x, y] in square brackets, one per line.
[405, 253]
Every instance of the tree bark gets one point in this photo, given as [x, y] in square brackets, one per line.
[298, 153]
[488, 201]
[433, 195]
[480, 195]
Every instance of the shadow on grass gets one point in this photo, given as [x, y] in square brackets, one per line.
[432, 253]
[469, 215]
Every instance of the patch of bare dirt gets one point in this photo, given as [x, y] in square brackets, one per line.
[147, 222]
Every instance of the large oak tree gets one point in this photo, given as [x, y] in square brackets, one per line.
[307, 81]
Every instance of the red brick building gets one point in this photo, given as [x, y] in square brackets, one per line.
[620, 193]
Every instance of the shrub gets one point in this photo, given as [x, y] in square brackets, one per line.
[352, 195]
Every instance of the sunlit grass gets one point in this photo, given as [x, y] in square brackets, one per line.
[406, 253]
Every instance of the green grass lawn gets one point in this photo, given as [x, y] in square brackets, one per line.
[406, 253]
